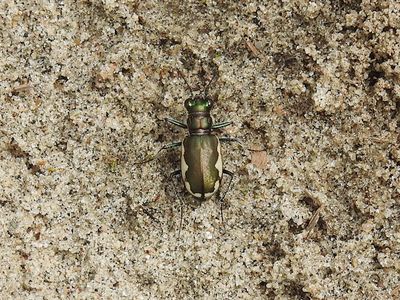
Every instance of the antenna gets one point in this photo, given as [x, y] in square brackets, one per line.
[184, 79]
[209, 83]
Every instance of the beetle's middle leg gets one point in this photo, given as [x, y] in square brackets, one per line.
[175, 174]
[232, 139]
[153, 157]
[221, 125]
[229, 139]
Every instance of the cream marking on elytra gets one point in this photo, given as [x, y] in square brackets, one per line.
[218, 164]
[184, 168]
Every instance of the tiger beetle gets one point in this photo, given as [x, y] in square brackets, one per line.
[201, 160]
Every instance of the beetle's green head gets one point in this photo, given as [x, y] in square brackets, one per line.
[198, 104]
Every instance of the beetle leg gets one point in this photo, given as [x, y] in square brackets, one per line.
[165, 147]
[174, 174]
[176, 122]
[229, 139]
[230, 174]
[232, 139]
[221, 125]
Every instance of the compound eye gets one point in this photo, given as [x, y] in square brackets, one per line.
[192, 103]
[189, 103]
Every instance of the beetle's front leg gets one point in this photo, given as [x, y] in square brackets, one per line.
[153, 157]
[176, 122]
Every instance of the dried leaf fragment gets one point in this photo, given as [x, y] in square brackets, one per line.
[259, 159]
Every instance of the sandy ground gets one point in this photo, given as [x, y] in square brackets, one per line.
[85, 87]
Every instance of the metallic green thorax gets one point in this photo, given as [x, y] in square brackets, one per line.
[199, 120]
[201, 165]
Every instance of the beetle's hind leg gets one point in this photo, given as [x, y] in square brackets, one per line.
[221, 200]
[175, 174]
